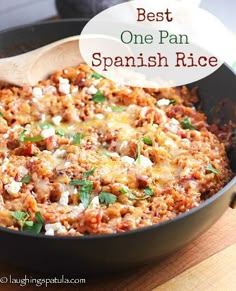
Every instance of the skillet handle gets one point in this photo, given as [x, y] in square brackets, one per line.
[233, 202]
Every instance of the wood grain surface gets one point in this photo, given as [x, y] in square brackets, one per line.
[207, 264]
[207, 275]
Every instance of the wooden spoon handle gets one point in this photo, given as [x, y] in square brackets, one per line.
[30, 67]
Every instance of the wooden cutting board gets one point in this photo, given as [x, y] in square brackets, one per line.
[207, 264]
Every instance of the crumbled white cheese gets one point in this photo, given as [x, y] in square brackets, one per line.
[186, 142]
[43, 117]
[22, 171]
[95, 202]
[169, 143]
[92, 90]
[123, 145]
[72, 231]
[163, 102]
[108, 109]
[162, 114]
[64, 88]
[174, 121]
[173, 125]
[6, 135]
[49, 89]
[63, 80]
[110, 124]
[15, 127]
[53, 228]
[28, 127]
[74, 89]
[5, 164]
[57, 119]
[76, 210]
[132, 107]
[67, 164]
[143, 112]
[96, 82]
[127, 160]
[64, 85]
[59, 154]
[64, 199]
[144, 162]
[114, 155]
[47, 132]
[37, 92]
[13, 188]
[100, 116]
[46, 152]
[50, 232]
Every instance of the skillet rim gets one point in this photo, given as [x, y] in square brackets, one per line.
[39, 23]
[230, 185]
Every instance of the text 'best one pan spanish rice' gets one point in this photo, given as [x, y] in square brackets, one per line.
[83, 155]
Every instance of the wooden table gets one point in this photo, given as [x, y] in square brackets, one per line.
[208, 263]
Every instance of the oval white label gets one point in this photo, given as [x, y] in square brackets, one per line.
[153, 43]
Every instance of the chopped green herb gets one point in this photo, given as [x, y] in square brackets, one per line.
[29, 226]
[26, 179]
[99, 97]
[148, 191]
[77, 138]
[1, 114]
[45, 125]
[85, 193]
[89, 173]
[29, 223]
[35, 227]
[187, 124]
[119, 109]
[123, 191]
[77, 182]
[33, 138]
[172, 102]
[85, 190]
[24, 138]
[147, 141]
[107, 198]
[96, 76]
[131, 195]
[39, 217]
[21, 217]
[22, 135]
[211, 169]
[60, 132]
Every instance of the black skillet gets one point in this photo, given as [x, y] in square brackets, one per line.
[109, 253]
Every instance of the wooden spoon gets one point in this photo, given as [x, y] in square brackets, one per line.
[36, 65]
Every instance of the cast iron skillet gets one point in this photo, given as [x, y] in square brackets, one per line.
[109, 253]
